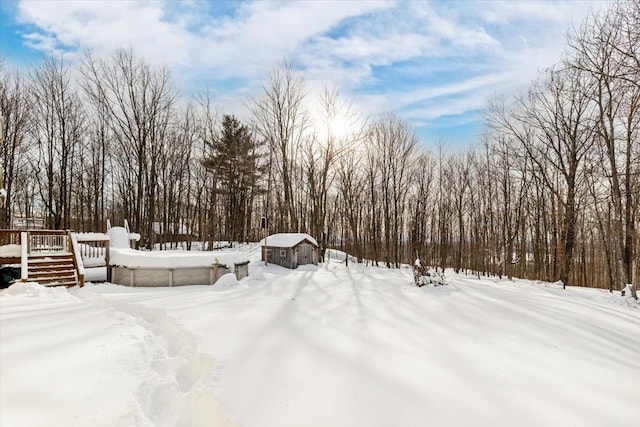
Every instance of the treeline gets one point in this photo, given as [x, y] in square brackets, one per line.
[551, 192]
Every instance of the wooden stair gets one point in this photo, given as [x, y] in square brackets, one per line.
[52, 269]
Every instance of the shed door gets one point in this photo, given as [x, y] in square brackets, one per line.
[305, 254]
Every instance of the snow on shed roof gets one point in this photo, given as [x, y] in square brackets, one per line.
[287, 240]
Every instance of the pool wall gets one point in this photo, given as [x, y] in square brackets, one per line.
[178, 276]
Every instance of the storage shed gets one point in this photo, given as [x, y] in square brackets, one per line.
[290, 249]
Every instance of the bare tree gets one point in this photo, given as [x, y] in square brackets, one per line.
[14, 108]
[394, 143]
[421, 206]
[559, 114]
[57, 130]
[606, 49]
[283, 122]
[321, 153]
[352, 188]
[139, 101]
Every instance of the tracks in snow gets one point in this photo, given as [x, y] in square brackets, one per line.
[177, 386]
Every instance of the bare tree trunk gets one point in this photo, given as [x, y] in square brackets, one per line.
[138, 101]
[283, 122]
[56, 127]
[14, 108]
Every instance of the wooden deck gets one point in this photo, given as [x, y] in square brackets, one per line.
[34, 246]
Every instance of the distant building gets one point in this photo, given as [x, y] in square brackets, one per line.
[21, 222]
[290, 249]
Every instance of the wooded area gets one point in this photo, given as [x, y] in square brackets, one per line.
[551, 192]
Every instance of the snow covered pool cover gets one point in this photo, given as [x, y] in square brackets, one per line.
[173, 259]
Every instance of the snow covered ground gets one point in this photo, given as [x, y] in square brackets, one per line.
[325, 346]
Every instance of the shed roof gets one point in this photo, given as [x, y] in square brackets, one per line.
[288, 240]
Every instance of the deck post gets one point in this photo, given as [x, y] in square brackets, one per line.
[106, 258]
[24, 256]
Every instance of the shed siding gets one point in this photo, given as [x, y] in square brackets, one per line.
[301, 254]
[305, 254]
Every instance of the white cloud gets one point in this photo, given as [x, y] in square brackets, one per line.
[244, 44]
[484, 47]
[104, 26]
[556, 12]
[401, 34]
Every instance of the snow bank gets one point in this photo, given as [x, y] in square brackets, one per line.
[35, 290]
[226, 281]
[132, 258]
[335, 255]
[10, 251]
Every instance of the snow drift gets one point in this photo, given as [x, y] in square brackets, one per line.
[334, 346]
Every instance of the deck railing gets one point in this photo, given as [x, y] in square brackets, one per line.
[9, 237]
[77, 257]
[42, 242]
[93, 245]
[48, 241]
[94, 250]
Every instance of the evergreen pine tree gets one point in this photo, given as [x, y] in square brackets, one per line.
[233, 158]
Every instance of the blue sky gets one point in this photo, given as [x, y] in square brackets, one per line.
[434, 63]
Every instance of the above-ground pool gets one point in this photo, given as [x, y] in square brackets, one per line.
[131, 267]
